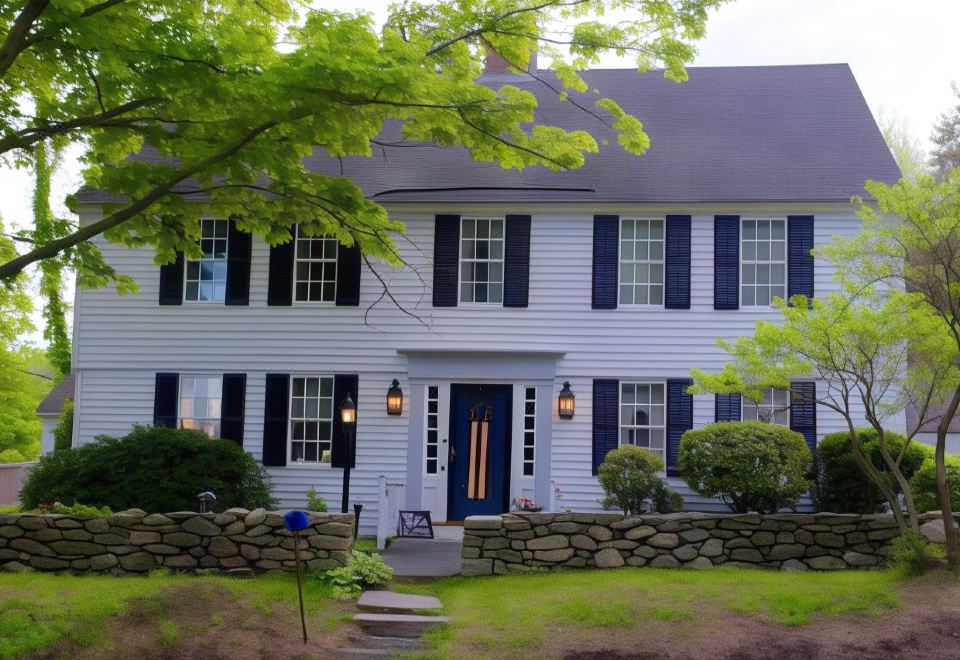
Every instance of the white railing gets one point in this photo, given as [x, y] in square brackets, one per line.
[11, 481]
[391, 497]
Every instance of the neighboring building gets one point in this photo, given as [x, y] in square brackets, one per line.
[617, 277]
[928, 432]
[51, 408]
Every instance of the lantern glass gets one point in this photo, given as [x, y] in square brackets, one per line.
[566, 402]
[348, 412]
[395, 398]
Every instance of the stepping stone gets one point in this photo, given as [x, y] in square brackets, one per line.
[391, 602]
[388, 643]
[398, 625]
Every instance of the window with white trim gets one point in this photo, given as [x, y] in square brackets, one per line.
[643, 410]
[206, 277]
[481, 260]
[774, 409]
[763, 261]
[311, 419]
[315, 268]
[432, 429]
[529, 430]
[199, 404]
[641, 261]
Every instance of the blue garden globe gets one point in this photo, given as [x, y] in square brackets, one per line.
[296, 521]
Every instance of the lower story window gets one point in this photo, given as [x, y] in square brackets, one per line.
[774, 409]
[199, 405]
[643, 416]
[311, 419]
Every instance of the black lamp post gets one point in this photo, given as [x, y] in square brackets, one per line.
[348, 418]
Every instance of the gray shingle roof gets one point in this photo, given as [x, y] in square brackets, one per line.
[53, 403]
[729, 134]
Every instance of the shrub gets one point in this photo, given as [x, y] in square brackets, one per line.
[364, 571]
[631, 481]
[152, 468]
[315, 502]
[751, 466]
[924, 484]
[838, 483]
[913, 555]
[63, 431]
[76, 509]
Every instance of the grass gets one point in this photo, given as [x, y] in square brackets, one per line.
[7, 509]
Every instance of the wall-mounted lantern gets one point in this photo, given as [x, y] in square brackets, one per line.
[394, 398]
[566, 402]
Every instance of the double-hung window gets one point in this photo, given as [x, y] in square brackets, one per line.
[775, 408]
[643, 408]
[481, 260]
[763, 260]
[206, 277]
[315, 276]
[200, 402]
[641, 261]
[311, 419]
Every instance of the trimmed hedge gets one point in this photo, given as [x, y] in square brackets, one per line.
[838, 483]
[751, 466]
[924, 484]
[631, 482]
[152, 468]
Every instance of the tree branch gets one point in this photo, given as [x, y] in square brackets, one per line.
[16, 41]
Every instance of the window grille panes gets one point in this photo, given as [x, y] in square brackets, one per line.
[199, 406]
[641, 261]
[775, 407]
[481, 260]
[206, 277]
[315, 277]
[432, 424]
[529, 430]
[311, 419]
[763, 258]
[643, 416]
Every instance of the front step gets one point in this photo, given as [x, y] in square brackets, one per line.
[390, 602]
[398, 625]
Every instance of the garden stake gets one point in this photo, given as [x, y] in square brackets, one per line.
[296, 521]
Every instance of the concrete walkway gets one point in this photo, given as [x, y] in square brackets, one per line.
[437, 557]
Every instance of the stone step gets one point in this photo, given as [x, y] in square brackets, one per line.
[390, 602]
[398, 625]
[387, 643]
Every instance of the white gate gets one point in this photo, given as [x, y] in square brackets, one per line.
[391, 497]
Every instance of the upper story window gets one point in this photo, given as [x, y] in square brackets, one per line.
[481, 260]
[641, 261]
[311, 419]
[315, 277]
[763, 261]
[775, 408]
[206, 279]
[200, 401]
[643, 409]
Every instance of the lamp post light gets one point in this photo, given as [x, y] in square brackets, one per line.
[395, 398]
[566, 402]
[348, 418]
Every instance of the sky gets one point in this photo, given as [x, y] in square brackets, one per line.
[903, 54]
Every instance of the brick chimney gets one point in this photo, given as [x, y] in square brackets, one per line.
[497, 66]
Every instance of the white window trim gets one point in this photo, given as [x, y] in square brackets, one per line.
[532, 431]
[180, 391]
[662, 262]
[745, 402]
[186, 266]
[502, 260]
[786, 259]
[663, 383]
[427, 428]
[336, 274]
[302, 465]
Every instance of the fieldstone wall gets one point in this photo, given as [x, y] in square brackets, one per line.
[134, 542]
[791, 542]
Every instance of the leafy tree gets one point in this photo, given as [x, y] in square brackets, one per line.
[903, 144]
[63, 431]
[228, 114]
[946, 140]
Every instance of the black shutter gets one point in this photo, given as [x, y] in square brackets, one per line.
[726, 262]
[238, 266]
[799, 259]
[276, 407]
[727, 408]
[280, 280]
[606, 431]
[606, 237]
[165, 394]
[679, 419]
[171, 282]
[677, 271]
[446, 257]
[343, 384]
[348, 275]
[516, 275]
[231, 407]
[803, 410]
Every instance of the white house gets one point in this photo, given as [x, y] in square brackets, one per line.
[617, 278]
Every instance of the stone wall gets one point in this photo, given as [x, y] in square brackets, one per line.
[133, 541]
[799, 542]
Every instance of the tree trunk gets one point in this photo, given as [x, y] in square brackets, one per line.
[873, 474]
[943, 491]
[901, 480]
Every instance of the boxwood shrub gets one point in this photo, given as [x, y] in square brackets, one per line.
[631, 481]
[924, 483]
[152, 468]
[750, 466]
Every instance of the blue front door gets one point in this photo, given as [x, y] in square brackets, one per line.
[479, 469]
